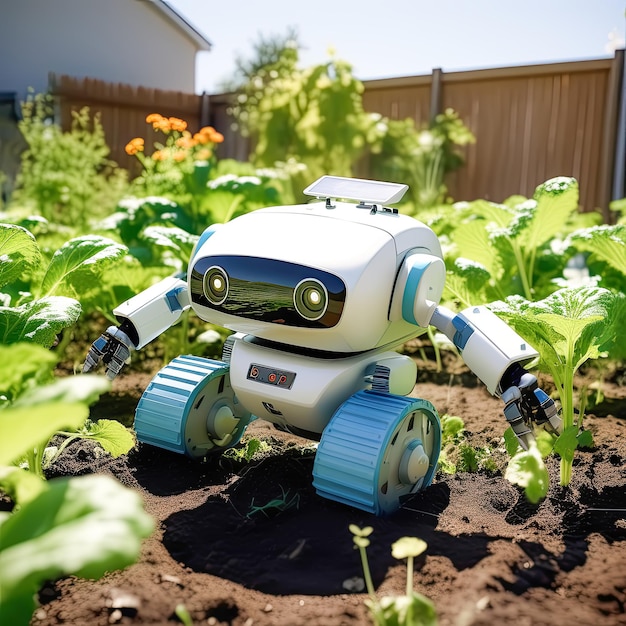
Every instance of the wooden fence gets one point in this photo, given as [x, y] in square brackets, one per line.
[531, 123]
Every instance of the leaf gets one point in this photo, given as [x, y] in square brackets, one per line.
[605, 242]
[20, 485]
[566, 443]
[408, 546]
[466, 283]
[177, 239]
[527, 470]
[86, 388]
[81, 258]
[416, 609]
[511, 442]
[25, 427]
[113, 436]
[38, 321]
[360, 532]
[82, 526]
[556, 201]
[585, 439]
[545, 442]
[451, 427]
[472, 239]
[21, 365]
[18, 253]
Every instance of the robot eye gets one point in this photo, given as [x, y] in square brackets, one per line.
[215, 285]
[310, 298]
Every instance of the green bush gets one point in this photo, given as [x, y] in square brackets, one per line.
[66, 177]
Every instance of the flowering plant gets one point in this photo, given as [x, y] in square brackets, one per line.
[179, 166]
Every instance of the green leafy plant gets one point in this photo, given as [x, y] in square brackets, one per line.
[313, 116]
[247, 451]
[452, 433]
[410, 609]
[66, 177]
[421, 157]
[29, 403]
[506, 249]
[182, 613]
[527, 470]
[276, 505]
[567, 328]
[46, 304]
[83, 526]
[457, 455]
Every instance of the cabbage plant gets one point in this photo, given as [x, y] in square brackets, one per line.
[568, 328]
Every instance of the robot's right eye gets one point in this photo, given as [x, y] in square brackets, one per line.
[310, 299]
[215, 285]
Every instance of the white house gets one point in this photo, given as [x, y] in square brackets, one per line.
[137, 42]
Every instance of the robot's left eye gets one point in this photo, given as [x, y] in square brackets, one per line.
[310, 299]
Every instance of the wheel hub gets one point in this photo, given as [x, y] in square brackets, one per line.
[414, 463]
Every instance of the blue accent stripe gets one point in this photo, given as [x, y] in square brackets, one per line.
[410, 290]
[172, 299]
[464, 330]
[204, 237]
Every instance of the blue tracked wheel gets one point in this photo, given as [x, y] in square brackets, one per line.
[376, 450]
[189, 407]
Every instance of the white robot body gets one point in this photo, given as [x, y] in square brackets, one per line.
[319, 296]
[358, 251]
[301, 392]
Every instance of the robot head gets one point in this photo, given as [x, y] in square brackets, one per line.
[318, 276]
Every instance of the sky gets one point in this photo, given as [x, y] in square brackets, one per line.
[393, 38]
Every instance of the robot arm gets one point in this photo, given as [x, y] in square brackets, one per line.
[495, 353]
[142, 318]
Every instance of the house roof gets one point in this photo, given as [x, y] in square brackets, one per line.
[171, 14]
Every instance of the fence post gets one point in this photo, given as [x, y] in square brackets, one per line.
[435, 93]
[205, 109]
[619, 168]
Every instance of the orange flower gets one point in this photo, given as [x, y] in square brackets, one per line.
[162, 124]
[179, 155]
[134, 145]
[201, 138]
[153, 117]
[208, 134]
[185, 142]
[177, 124]
[204, 155]
[158, 155]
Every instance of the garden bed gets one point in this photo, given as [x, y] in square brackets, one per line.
[492, 557]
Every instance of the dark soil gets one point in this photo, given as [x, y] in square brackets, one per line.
[492, 557]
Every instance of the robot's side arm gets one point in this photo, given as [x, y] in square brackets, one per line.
[496, 354]
[142, 318]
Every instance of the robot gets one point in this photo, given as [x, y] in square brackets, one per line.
[319, 296]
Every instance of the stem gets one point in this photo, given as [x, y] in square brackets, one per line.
[233, 207]
[70, 437]
[34, 461]
[519, 259]
[567, 404]
[566, 472]
[431, 336]
[409, 576]
[368, 576]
